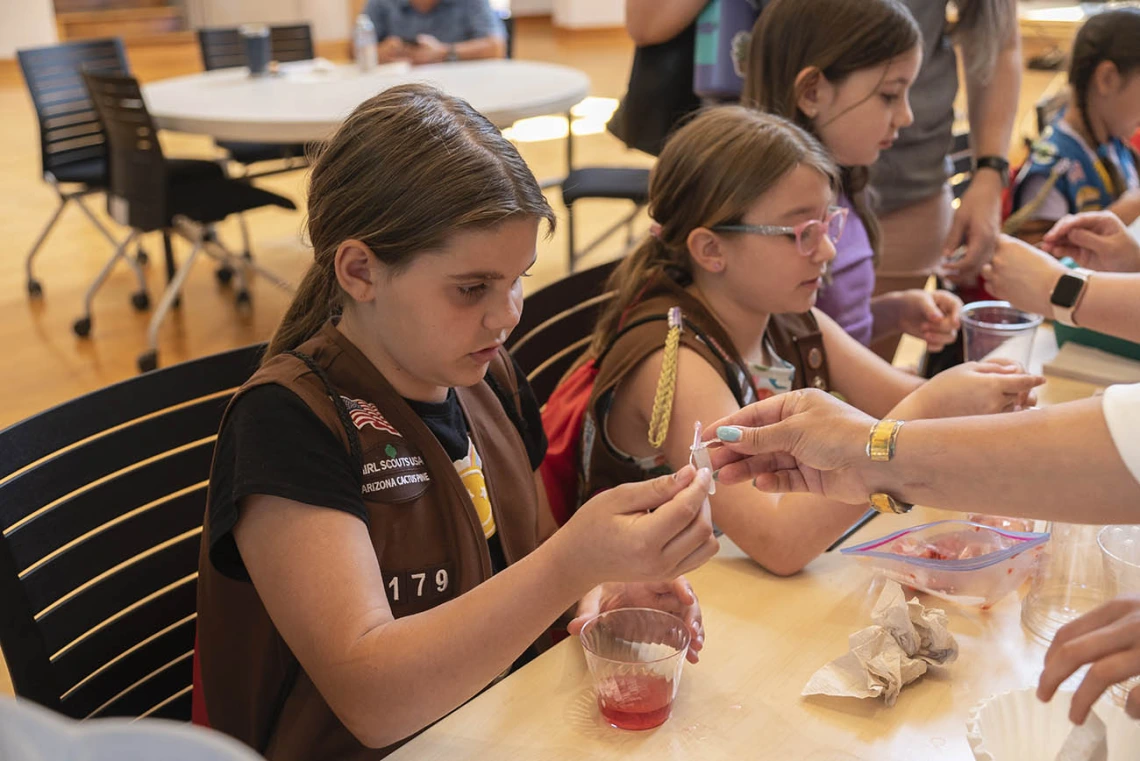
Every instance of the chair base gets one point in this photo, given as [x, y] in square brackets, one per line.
[204, 240]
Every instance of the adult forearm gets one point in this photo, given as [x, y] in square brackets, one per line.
[1057, 463]
[483, 47]
[410, 672]
[1111, 304]
[993, 104]
[651, 22]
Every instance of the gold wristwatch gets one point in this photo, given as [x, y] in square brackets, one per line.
[881, 444]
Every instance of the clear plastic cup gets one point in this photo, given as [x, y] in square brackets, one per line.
[997, 329]
[1120, 551]
[1067, 583]
[635, 656]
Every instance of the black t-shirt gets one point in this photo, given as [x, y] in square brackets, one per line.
[273, 444]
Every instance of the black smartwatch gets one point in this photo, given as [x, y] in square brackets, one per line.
[1067, 295]
[997, 163]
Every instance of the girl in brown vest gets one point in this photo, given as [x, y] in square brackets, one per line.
[373, 551]
[746, 229]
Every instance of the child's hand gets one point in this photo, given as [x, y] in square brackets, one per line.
[931, 316]
[973, 388]
[651, 531]
[674, 597]
[1098, 240]
[1109, 639]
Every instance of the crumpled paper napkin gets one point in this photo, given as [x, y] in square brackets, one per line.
[904, 639]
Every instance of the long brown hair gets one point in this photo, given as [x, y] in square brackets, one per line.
[408, 169]
[711, 171]
[1108, 36]
[838, 37]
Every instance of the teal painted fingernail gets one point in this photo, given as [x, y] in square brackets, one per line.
[716, 475]
[728, 433]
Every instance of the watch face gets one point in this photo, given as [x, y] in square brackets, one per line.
[1067, 290]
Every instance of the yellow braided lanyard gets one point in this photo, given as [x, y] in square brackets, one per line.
[666, 382]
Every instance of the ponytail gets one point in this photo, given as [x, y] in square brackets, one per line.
[855, 183]
[1108, 36]
[316, 300]
[648, 262]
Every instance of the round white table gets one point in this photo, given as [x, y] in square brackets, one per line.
[307, 101]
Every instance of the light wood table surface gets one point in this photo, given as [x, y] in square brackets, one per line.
[766, 637]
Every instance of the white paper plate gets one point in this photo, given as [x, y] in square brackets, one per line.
[1016, 726]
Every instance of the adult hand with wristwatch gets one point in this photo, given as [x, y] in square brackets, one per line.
[1034, 281]
[977, 220]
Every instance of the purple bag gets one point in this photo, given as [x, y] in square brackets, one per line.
[723, 31]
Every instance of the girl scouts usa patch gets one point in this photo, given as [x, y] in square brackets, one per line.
[394, 472]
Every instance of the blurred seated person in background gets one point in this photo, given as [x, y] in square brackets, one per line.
[1090, 135]
[435, 31]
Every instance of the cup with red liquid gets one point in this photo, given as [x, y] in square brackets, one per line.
[635, 656]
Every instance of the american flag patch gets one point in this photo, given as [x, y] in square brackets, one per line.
[364, 413]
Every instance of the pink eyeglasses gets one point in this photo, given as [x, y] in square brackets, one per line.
[808, 235]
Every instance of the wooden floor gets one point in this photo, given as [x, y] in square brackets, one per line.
[46, 364]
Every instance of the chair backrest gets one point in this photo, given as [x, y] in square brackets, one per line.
[101, 507]
[221, 48]
[70, 129]
[137, 194]
[556, 326]
[291, 43]
[224, 47]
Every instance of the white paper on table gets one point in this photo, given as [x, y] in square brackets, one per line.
[896, 649]
[1088, 742]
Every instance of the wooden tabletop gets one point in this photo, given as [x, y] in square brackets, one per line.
[766, 637]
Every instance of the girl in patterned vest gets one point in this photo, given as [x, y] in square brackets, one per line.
[1083, 161]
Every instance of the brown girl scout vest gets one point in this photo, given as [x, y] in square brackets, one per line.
[427, 535]
[795, 338]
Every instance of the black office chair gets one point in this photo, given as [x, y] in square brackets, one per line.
[184, 196]
[556, 326]
[224, 48]
[72, 143]
[101, 507]
[608, 182]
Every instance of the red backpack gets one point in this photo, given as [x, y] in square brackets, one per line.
[564, 417]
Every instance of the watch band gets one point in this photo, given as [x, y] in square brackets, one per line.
[1064, 314]
[881, 441]
[452, 54]
[997, 163]
[885, 503]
